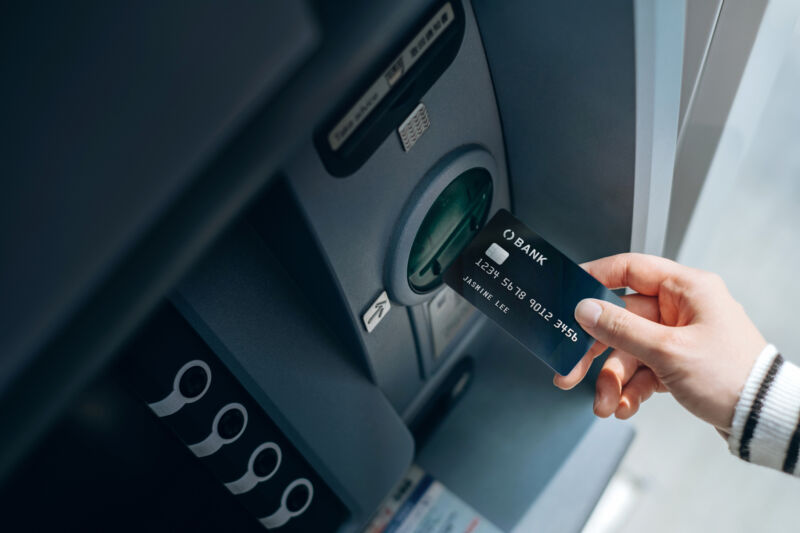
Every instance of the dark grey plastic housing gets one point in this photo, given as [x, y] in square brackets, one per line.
[251, 315]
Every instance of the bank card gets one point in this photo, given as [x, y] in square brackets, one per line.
[522, 282]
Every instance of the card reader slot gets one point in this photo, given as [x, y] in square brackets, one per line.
[453, 219]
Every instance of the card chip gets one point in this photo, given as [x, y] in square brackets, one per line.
[497, 253]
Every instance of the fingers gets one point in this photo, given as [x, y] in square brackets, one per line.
[620, 328]
[642, 273]
[617, 371]
[646, 306]
[577, 374]
[624, 383]
[641, 386]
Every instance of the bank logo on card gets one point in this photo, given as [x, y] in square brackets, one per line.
[497, 253]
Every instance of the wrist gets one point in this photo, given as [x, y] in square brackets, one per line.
[748, 393]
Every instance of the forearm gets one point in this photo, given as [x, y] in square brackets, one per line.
[766, 423]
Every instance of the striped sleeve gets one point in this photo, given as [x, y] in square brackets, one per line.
[766, 422]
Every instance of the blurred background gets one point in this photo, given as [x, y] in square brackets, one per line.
[678, 474]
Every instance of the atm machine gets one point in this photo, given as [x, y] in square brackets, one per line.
[224, 231]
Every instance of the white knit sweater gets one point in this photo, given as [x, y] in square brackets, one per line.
[766, 423]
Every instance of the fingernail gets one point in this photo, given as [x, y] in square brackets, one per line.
[587, 313]
[624, 403]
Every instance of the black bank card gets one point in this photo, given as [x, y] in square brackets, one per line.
[522, 282]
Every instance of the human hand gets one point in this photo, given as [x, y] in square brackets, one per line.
[682, 332]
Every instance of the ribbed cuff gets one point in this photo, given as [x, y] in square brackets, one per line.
[765, 428]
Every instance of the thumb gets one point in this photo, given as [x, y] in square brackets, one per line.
[614, 326]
